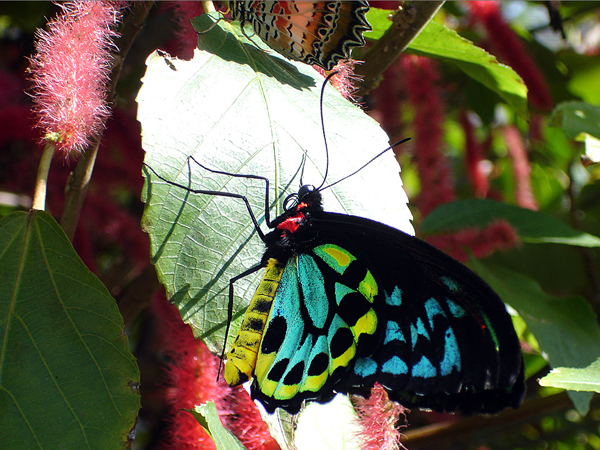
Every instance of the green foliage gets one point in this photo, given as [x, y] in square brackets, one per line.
[584, 379]
[565, 328]
[437, 41]
[532, 226]
[67, 378]
[208, 417]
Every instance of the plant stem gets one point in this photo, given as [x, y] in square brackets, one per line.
[77, 186]
[78, 182]
[451, 432]
[407, 23]
[39, 195]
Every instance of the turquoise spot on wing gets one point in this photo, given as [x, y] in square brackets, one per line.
[341, 290]
[313, 288]
[395, 366]
[416, 330]
[421, 329]
[451, 284]
[432, 309]
[395, 299]
[364, 367]
[287, 299]
[320, 346]
[393, 332]
[451, 354]
[424, 369]
[336, 324]
[455, 310]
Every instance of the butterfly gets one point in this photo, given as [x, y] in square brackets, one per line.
[317, 33]
[346, 302]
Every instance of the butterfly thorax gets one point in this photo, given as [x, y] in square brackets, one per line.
[292, 230]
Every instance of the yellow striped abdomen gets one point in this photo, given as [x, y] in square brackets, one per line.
[241, 359]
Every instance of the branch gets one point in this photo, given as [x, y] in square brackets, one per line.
[406, 25]
[445, 433]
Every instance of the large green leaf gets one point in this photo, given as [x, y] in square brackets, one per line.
[532, 226]
[440, 42]
[565, 327]
[67, 378]
[245, 110]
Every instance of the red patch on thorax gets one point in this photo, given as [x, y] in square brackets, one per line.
[291, 224]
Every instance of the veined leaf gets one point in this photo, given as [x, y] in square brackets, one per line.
[242, 109]
[208, 417]
[67, 378]
[574, 379]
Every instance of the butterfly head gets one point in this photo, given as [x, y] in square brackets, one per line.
[307, 196]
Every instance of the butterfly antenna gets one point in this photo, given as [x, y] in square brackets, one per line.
[329, 77]
[303, 164]
[366, 164]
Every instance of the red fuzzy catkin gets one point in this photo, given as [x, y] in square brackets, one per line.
[521, 168]
[379, 417]
[70, 74]
[186, 36]
[474, 158]
[387, 105]
[424, 95]
[510, 49]
[192, 376]
[498, 235]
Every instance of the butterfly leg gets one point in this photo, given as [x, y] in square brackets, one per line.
[225, 194]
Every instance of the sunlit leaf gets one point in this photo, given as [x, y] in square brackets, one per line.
[244, 110]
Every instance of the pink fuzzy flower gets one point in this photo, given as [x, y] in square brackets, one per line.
[512, 51]
[521, 168]
[424, 95]
[474, 158]
[497, 235]
[379, 417]
[70, 73]
[192, 376]
[343, 78]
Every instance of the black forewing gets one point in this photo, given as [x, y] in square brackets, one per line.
[490, 376]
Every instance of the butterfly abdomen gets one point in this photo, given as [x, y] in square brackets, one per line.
[241, 359]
